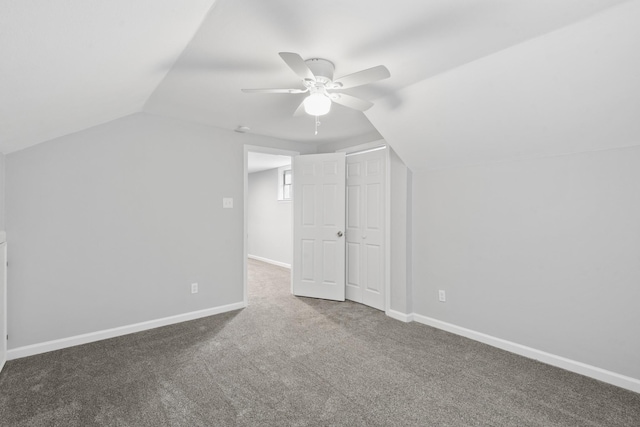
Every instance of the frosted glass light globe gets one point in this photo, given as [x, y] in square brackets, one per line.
[317, 104]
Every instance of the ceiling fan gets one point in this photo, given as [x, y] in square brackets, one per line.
[317, 78]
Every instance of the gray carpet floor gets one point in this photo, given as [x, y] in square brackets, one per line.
[287, 361]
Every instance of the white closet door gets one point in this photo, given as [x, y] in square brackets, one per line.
[365, 228]
[318, 226]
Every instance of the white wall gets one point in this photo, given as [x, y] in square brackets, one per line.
[544, 253]
[532, 246]
[400, 235]
[269, 219]
[110, 226]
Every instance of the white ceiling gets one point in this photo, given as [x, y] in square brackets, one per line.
[257, 162]
[573, 90]
[68, 65]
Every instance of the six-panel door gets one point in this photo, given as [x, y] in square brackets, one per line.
[365, 228]
[318, 226]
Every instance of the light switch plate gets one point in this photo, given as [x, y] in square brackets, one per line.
[227, 202]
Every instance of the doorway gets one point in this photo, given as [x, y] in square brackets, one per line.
[267, 207]
[341, 223]
[365, 260]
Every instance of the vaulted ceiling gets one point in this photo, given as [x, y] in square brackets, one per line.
[71, 64]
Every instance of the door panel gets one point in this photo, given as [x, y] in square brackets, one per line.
[308, 259]
[308, 205]
[329, 214]
[374, 166]
[318, 269]
[373, 206]
[353, 208]
[353, 169]
[373, 260]
[353, 265]
[365, 213]
[329, 273]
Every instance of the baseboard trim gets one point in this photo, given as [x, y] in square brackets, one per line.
[603, 375]
[270, 261]
[2, 364]
[33, 349]
[403, 317]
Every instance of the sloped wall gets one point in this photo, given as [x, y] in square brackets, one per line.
[533, 244]
[572, 90]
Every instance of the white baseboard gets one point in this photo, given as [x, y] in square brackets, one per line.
[403, 317]
[2, 364]
[270, 261]
[33, 349]
[603, 375]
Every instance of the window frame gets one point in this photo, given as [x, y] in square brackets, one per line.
[282, 172]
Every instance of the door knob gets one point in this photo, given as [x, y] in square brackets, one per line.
[339, 233]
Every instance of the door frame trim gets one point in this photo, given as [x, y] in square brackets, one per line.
[4, 344]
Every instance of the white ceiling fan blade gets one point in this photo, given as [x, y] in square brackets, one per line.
[351, 101]
[363, 77]
[275, 90]
[297, 64]
[300, 110]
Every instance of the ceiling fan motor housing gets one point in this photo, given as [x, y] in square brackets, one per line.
[321, 69]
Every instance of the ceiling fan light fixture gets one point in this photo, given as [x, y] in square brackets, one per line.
[317, 104]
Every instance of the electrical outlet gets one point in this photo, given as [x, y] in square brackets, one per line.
[442, 296]
[227, 202]
[194, 288]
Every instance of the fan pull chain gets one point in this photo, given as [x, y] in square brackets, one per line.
[317, 124]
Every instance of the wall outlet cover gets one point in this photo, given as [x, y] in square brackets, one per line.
[227, 202]
[442, 296]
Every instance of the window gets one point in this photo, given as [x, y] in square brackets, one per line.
[286, 186]
[285, 181]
